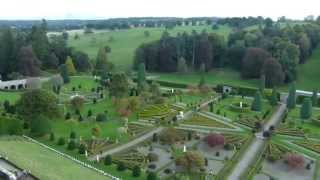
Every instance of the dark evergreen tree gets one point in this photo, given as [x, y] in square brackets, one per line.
[274, 97]
[108, 160]
[257, 102]
[64, 73]
[136, 171]
[291, 101]
[306, 109]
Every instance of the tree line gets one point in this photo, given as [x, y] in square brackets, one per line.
[28, 52]
[271, 51]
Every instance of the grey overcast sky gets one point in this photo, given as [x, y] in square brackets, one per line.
[98, 9]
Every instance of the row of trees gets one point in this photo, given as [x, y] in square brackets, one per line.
[273, 51]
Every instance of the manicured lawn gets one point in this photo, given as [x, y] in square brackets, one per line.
[224, 107]
[86, 83]
[43, 163]
[294, 116]
[108, 129]
[215, 77]
[205, 121]
[112, 169]
[10, 96]
[309, 73]
[126, 41]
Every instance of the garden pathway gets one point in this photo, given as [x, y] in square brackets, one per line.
[256, 145]
[129, 144]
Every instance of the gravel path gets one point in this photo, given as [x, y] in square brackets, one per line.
[129, 144]
[256, 146]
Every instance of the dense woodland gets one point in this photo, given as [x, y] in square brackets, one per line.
[269, 51]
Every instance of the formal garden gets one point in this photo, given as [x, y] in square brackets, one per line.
[99, 115]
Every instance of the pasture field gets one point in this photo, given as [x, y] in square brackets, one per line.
[125, 42]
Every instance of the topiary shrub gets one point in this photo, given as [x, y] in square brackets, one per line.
[167, 171]
[152, 166]
[73, 135]
[152, 176]
[136, 171]
[101, 117]
[61, 141]
[82, 149]
[52, 136]
[67, 116]
[121, 166]
[108, 160]
[71, 145]
[89, 114]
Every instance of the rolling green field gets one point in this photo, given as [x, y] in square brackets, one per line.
[126, 41]
[43, 163]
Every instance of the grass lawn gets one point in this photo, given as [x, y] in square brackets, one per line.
[10, 96]
[309, 73]
[86, 83]
[126, 41]
[43, 163]
[294, 116]
[112, 169]
[214, 77]
[63, 128]
[224, 107]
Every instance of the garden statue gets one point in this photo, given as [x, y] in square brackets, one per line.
[184, 148]
[241, 104]
[98, 159]
[181, 114]
[86, 153]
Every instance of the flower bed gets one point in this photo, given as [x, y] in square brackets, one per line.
[250, 122]
[235, 139]
[137, 129]
[313, 146]
[284, 130]
[275, 152]
[130, 159]
[155, 111]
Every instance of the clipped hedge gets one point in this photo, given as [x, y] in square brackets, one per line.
[236, 107]
[246, 91]
[166, 83]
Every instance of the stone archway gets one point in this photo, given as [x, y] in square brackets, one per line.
[13, 87]
[20, 86]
